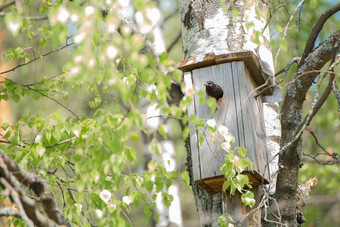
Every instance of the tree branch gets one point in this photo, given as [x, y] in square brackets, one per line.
[173, 43]
[37, 58]
[14, 195]
[6, 211]
[306, 158]
[5, 5]
[286, 69]
[136, 31]
[14, 175]
[316, 30]
[35, 18]
[334, 155]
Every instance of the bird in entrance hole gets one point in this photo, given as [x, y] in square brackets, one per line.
[214, 90]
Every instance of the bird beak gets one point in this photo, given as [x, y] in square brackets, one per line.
[205, 84]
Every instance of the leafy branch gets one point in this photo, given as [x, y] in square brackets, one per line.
[37, 58]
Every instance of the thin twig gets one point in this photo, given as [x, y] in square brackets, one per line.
[174, 13]
[14, 195]
[33, 18]
[213, 153]
[316, 30]
[334, 155]
[37, 58]
[272, 12]
[53, 99]
[5, 5]
[286, 69]
[173, 43]
[62, 142]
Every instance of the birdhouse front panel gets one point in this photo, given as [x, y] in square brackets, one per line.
[238, 110]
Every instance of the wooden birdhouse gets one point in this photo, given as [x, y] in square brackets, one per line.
[239, 76]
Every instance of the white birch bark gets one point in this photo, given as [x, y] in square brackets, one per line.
[235, 26]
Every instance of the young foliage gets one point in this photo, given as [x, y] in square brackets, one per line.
[87, 156]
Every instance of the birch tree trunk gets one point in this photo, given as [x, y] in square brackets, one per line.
[212, 27]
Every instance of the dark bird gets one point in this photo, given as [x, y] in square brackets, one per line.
[213, 90]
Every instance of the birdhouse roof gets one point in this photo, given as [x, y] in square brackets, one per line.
[249, 58]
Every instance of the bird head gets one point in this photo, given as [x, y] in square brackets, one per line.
[209, 84]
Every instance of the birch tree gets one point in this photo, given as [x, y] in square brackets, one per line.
[71, 157]
[218, 27]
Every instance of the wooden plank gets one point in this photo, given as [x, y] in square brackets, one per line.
[191, 63]
[214, 184]
[252, 117]
[207, 151]
[193, 132]
[252, 63]
[255, 105]
[237, 93]
[245, 113]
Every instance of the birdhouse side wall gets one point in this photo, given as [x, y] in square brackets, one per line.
[253, 128]
[250, 122]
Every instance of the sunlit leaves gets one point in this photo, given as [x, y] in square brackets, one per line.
[185, 177]
[17, 53]
[212, 104]
[91, 151]
[248, 199]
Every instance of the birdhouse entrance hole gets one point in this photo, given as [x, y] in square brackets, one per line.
[239, 76]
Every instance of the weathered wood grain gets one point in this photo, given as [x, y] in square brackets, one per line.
[252, 119]
[193, 132]
[256, 106]
[239, 111]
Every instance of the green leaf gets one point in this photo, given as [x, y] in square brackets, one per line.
[185, 177]
[163, 131]
[202, 96]
[186, 132]
[167, 199]
[130, 154]
[201, 139]
[5, 126]
[47, 133]
[148, 185]
[222, 221]
[177, 75]
[248, 199]
[212, 104]
[235, 12]
[193, 119]
[163, 57]
[242, 151]
[159, 184]
[226, 185]
[42, 42]
[16, 98]
[43, 8]
[147, 211]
